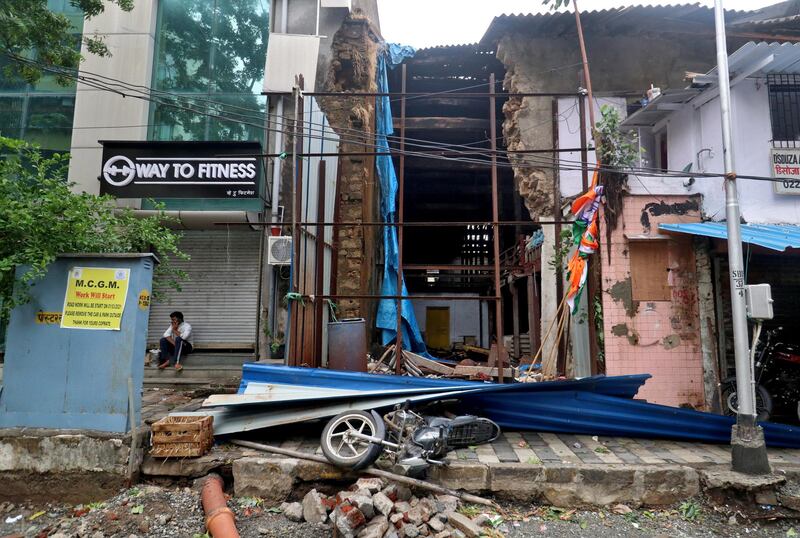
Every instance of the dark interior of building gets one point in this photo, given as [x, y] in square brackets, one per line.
[453, 182]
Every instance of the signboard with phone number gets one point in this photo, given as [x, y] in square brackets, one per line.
[785, 164]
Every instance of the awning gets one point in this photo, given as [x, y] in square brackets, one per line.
[772, 236]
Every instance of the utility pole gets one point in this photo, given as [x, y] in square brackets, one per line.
[748, 450]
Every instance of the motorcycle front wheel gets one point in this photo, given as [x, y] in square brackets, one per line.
[730, 400]
[342, 450]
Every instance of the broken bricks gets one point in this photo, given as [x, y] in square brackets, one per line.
[371, 508]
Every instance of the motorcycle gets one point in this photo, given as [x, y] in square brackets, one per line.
[410, 441]
[777, 375]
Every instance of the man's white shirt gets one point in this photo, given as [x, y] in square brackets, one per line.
[184, 330]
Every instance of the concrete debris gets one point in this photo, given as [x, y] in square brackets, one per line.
[373, 508]
[315, 509]
[464, 524]
[293, 511]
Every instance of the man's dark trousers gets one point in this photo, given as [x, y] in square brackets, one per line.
[173, 353]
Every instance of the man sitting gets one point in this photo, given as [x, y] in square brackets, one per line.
[177, 341]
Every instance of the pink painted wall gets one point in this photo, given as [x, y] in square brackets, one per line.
[661, 338]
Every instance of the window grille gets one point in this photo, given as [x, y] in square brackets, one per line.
[784, 110]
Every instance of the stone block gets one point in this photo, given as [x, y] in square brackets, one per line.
[347, 520]
[464, 524]
[516, 480]
[665, 486]
[606, 485]
[376, 528]
[374, 485]
[293, 511]
[382, 503]
[315, 509]
[269, 478]
[469, 477]
[314, 471]
[364, 503]
[560, 474]
[449, 503]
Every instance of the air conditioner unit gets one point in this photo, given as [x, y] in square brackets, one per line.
[279, 250]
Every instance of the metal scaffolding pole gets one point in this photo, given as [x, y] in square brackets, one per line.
[398, 363]
[498, 304]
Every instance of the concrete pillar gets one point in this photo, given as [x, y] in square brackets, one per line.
[708, 323]
[549, 299]
[101, 114]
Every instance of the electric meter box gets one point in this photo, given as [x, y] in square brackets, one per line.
[759, 301]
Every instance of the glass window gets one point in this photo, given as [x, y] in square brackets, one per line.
[11, 109]
[210, 59]
[49, 121]
[43, 112]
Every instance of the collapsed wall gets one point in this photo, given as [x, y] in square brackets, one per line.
[353, 68]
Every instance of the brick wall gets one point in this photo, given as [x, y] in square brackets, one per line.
[353, 69]
[661, 338]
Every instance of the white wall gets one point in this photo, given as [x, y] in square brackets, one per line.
[465, 318]
[692, 129]
[103, 115]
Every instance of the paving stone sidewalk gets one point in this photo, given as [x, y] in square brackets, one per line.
[516, 447]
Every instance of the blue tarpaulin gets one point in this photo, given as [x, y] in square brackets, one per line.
[387, 308]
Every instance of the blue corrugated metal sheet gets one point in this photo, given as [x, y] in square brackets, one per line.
[772, 236]
[597, 414]
[624, 386]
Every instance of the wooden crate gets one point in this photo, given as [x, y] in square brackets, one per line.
[182, 436]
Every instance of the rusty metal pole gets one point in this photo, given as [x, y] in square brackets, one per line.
[295, 345]
[319, 285]
[587, 78]
[593, 278]
[498, 302]
[398, 363]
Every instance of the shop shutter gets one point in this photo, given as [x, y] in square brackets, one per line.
[219, 296]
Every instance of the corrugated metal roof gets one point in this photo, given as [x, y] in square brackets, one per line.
[751, 60]
[785, 59]
[772, 236]
[629, 19]
[659, 108]
[774, 15]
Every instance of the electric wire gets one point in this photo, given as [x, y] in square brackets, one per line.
[515, 162]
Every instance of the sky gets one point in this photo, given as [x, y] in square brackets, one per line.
[427, 23]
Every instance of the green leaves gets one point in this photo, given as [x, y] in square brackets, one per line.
[28, 25]
[41, 217]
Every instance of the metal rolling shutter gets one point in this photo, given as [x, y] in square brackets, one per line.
[219, 297]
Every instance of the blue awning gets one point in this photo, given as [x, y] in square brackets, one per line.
[772, 236]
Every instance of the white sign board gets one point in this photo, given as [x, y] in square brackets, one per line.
[786, 168]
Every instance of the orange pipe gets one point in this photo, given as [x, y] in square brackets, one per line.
[219, 518]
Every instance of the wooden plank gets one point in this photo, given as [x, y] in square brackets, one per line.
[441, 123]
[649, 271]
[491, 372]
[165, 438]
[185, 427]
[476, 349]
[427, 364]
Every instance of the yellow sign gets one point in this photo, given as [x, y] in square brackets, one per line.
[48, 318]
[144, 299]
[95, 298]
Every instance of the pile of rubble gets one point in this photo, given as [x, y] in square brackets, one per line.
[373, 508]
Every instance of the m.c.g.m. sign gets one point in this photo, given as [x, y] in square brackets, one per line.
[181, 169]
